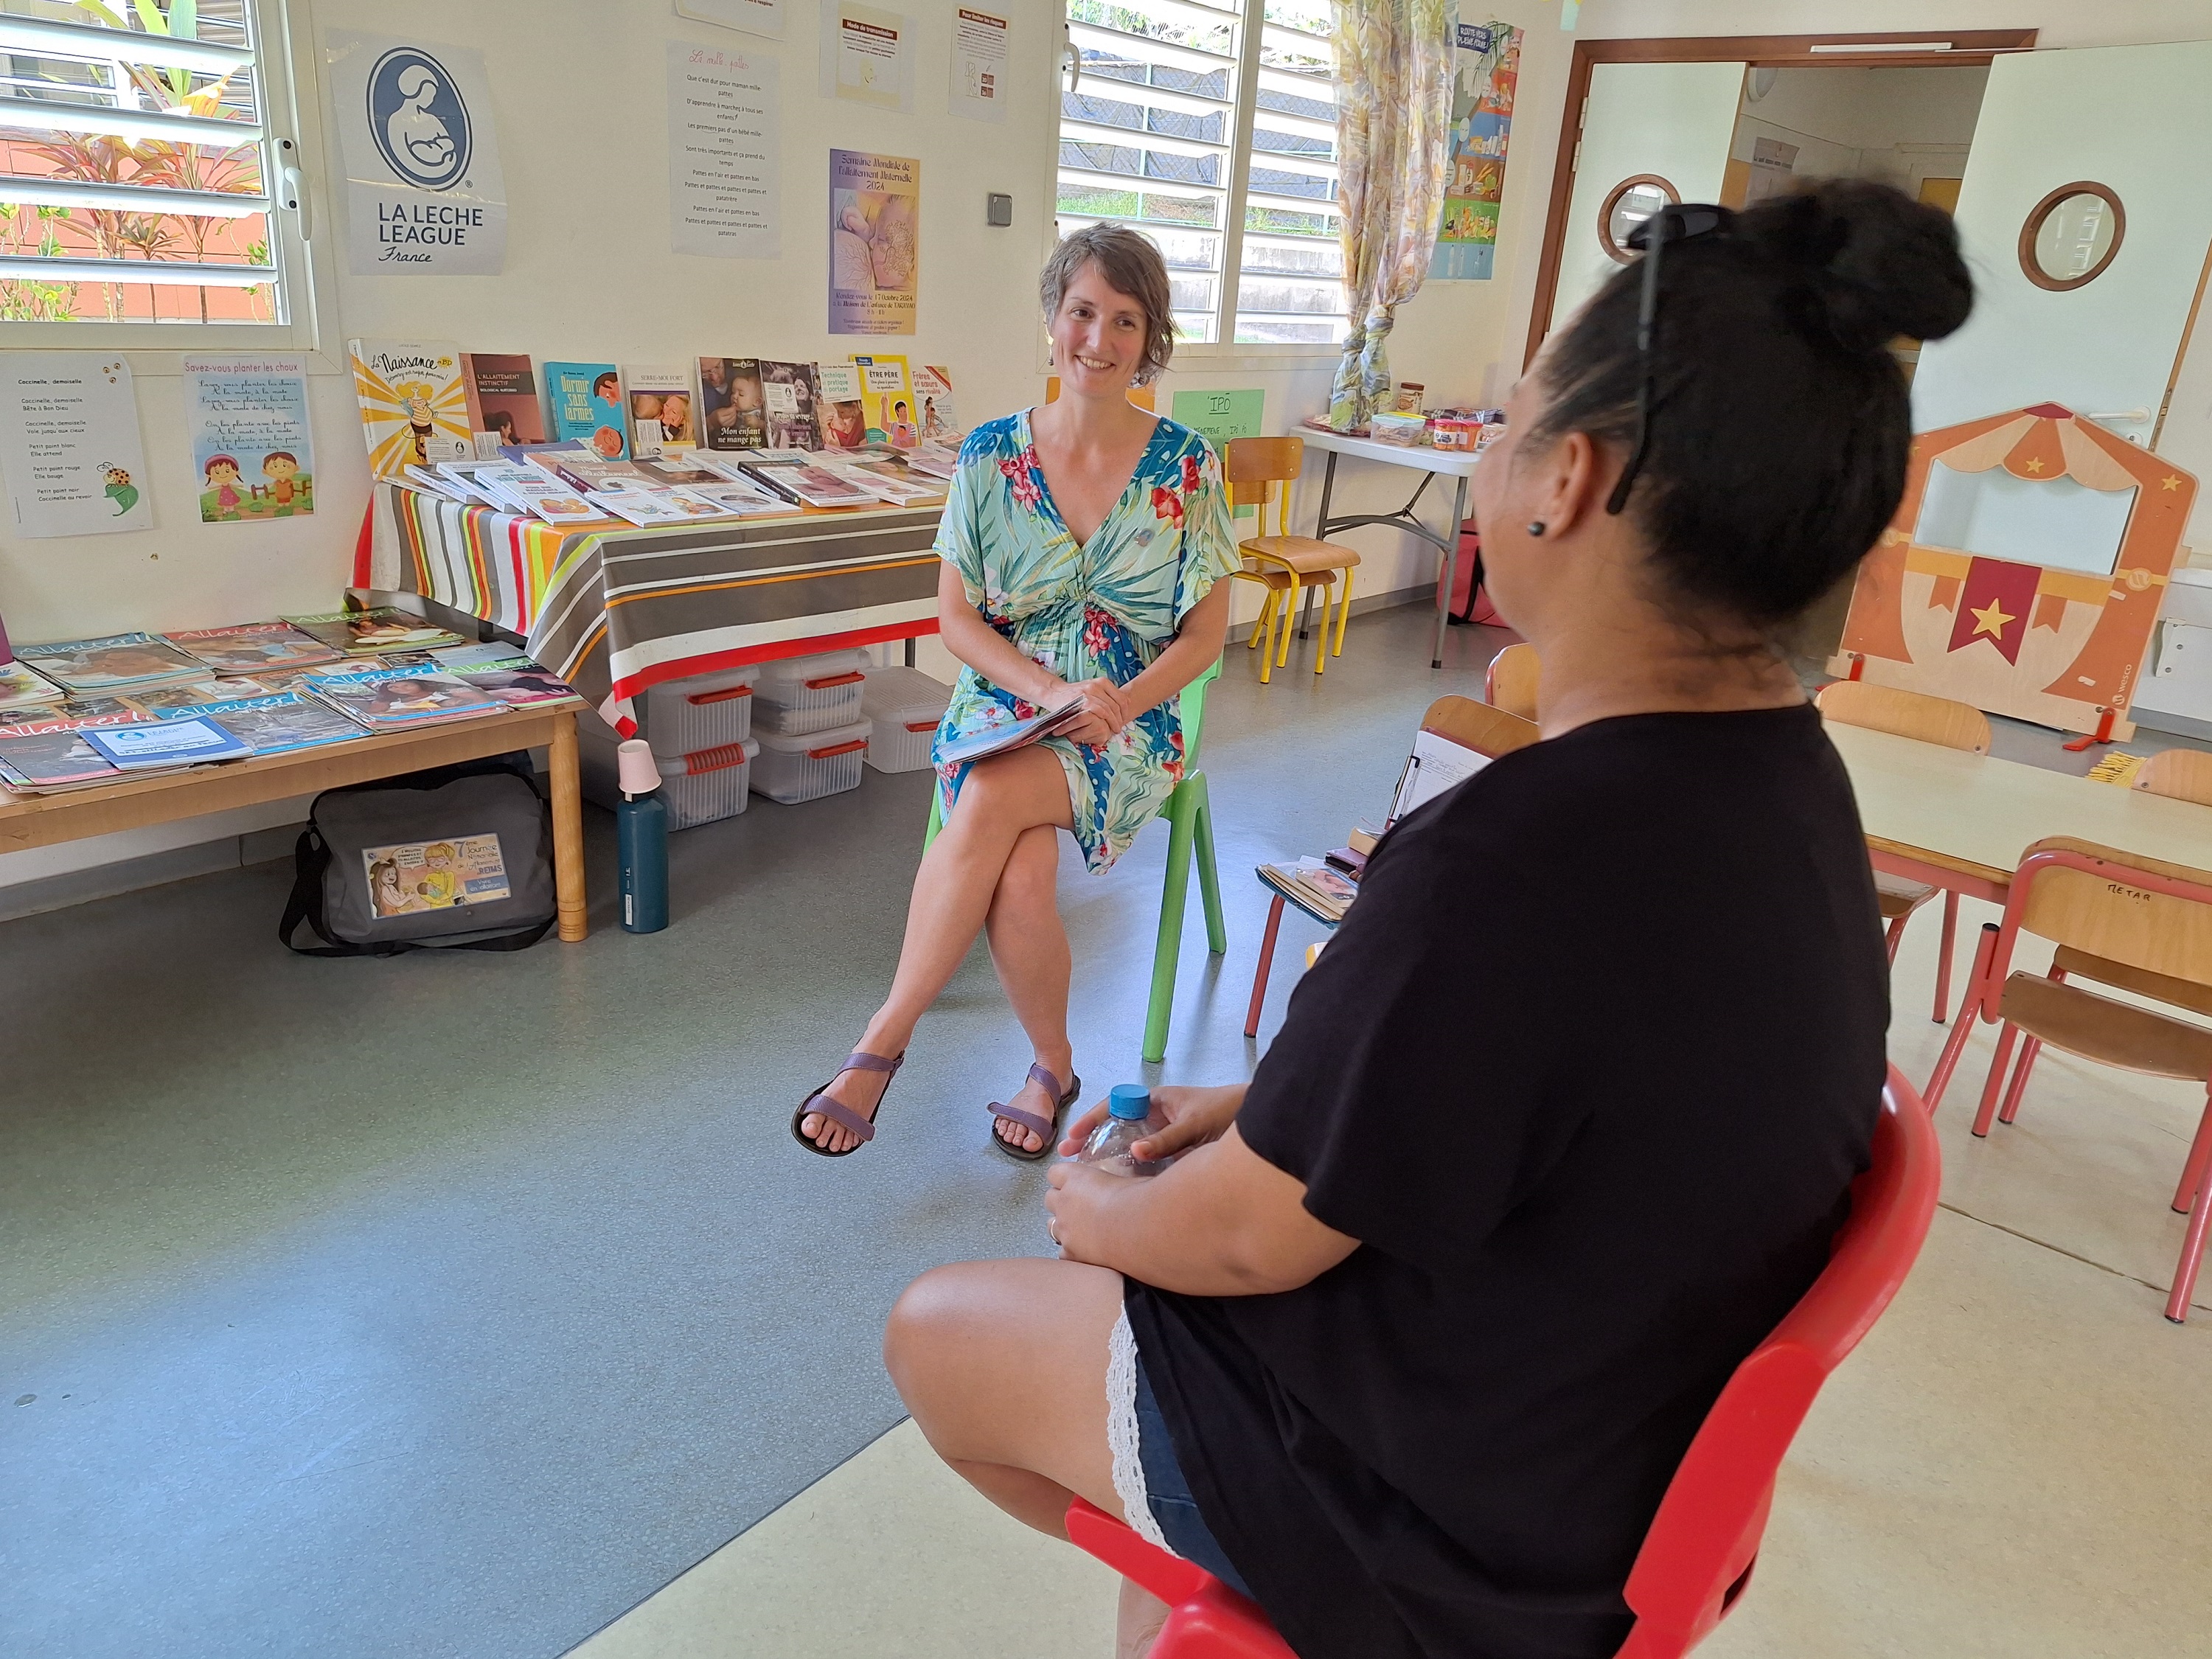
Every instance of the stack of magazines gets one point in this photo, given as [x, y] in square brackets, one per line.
[399, 699]
[373, 632]
[24, 691]
[118, 663]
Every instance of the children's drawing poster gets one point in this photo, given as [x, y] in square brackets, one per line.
[250, 448]
[69, 445]
[1487, 66]
[875, 242]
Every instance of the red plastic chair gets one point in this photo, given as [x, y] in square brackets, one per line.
[1698, 1556]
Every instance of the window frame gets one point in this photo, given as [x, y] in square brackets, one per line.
[284, 65]
[1207, 356]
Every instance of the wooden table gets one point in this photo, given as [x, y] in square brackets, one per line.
[1431, 463]
[1961, 821]
[27, 821]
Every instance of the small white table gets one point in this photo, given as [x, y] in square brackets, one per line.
[1431, 463]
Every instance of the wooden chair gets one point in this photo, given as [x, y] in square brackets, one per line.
[2184, 773]
[1510, 683]
[1259, 470]
[2119, 919]
[1698, 1556]
[1928, 719]
[1472, 725]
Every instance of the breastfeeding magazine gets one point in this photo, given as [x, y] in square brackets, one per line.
[1004, 739]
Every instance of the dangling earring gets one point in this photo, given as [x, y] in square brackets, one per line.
[1535, 526]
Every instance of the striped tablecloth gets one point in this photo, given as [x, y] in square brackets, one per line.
[613, 612]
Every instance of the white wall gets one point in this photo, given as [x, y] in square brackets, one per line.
[578, 97]
[1898, 125]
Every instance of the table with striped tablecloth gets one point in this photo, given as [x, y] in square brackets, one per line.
[615, 609]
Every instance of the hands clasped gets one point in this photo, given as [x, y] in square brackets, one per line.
[1081, 1195]
[1106, 712]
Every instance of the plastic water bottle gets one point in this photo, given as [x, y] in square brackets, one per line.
[641, 840]
[1129, 1119]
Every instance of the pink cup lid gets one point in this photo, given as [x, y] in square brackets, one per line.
[635, 767]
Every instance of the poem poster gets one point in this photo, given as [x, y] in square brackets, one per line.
[1487, 64]
[723, 153]
[70, 444]
[875, 242]
[250, 443]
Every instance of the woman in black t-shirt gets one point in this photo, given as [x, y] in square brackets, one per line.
[1410, 1341]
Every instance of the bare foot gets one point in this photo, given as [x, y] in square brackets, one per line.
[858, 1092]
[1031, 1097]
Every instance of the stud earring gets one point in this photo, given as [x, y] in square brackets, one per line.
[1535, 526]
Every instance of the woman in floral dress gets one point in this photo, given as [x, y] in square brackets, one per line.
[1084, 544]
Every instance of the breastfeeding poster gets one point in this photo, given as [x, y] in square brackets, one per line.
[424, 192]
[1487, 66]
[875, 242]
[248, 417]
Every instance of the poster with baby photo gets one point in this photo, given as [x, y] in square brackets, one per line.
[875, 242]
[250, 448]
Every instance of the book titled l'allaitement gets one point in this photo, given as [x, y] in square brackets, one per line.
[586, 403]
[503, 402]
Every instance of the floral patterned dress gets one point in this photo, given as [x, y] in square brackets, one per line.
[1105, 608]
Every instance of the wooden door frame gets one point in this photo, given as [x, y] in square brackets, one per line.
[1967, 47]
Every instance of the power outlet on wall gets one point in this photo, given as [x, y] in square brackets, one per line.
[998, 209]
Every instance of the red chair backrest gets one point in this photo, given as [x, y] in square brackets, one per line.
[1697, 1555]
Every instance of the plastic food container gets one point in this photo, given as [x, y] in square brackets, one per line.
[809, 694]
[1407, 431]
[704, 712]
[1454, 432]
[904, 707]
[792, 767]
[696, 788]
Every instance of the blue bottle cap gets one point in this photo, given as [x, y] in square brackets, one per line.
[1129, 1100]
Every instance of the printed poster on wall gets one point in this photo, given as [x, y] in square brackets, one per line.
[980, 55]
[424, 191]
[251, 449]
[70, 444]
[868, 56]
[723, 153]
[753, 16]
[1487, 64]
[875, 242]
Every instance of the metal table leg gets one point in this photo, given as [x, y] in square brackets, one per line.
[1450, 545]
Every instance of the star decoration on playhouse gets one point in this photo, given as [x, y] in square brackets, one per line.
[2023, 571]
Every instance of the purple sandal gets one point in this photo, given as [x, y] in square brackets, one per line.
[836, 1112]
[1047, 1130]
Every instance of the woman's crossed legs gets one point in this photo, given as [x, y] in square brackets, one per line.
[1003, 1365]
[995, 865]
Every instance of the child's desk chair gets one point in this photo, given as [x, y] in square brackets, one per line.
[2184, 773]
[1509, 682]
[1489, 732]
[1189, 815]
[1928, 719]
[1697, 1557]
[2119, 918]
[1259, 470]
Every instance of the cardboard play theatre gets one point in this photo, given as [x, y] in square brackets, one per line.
[2023, 572]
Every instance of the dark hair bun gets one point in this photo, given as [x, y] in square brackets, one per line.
[1881, 265]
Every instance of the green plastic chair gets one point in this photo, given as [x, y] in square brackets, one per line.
[1189, 816]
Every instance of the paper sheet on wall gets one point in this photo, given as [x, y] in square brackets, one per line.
[1436, 764]
[754, 16]
[251, 445]
[868, 56]
[69, 445]
[875, 242]
[723, 152]
[980, 55]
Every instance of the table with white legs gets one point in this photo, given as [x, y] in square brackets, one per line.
[1457, 464]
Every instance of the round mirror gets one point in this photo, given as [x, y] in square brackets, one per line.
[1627, 205]
[2071, 235]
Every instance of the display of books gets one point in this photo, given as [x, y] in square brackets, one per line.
[807, 482]
[117, 662]
[789, 392]
[43, 757]
[166, 745]
[588, 473]
[532, 490]
[503, 406]
[166, 702]
[394, 699]
[730, 413]
[249, 647]
[430, 483]
[662, 419]
[373, 632]
[586, 401]
[285, 721]
[22, 687]
[888, 480]
[413, 405]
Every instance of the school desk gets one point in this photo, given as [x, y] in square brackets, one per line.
[613, 609]
[27, 821]
[1457, 464]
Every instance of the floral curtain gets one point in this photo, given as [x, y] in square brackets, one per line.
[1393, 83]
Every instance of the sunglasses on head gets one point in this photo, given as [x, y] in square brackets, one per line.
[1675, 223]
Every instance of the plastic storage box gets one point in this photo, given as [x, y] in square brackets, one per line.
[793, 768]
[809, 694]
[697, 788]
[707, 711]
[904, 705]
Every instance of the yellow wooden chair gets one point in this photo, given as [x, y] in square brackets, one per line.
[2184, 773]
[1259, 470]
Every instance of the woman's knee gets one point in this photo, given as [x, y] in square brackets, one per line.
[929, 1314]
[1032, 871]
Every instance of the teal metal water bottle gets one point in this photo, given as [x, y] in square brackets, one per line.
[641, 840]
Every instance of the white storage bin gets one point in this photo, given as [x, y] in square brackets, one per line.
[696, 788]
[904, 705]
[707, 711]
[795, 767]
[811, 694]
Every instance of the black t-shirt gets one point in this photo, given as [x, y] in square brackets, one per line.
[1589, 1069]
